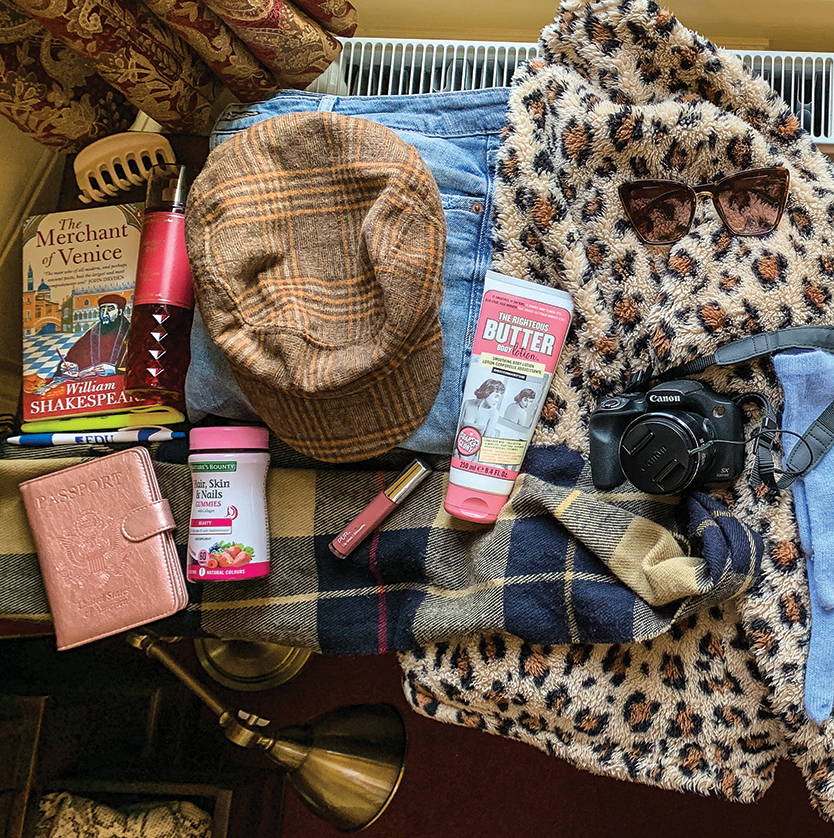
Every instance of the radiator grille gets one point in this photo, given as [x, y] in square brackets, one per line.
[396, 66]
[805, 81]
[391, 66]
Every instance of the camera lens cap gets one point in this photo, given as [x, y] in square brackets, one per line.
[655, 453]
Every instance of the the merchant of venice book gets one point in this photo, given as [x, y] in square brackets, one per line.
[79, 272]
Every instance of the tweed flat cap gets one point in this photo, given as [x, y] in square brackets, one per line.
[316, 244]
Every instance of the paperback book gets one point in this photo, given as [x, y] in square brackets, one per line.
[79, 273]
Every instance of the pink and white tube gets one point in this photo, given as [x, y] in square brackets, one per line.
[520, 333]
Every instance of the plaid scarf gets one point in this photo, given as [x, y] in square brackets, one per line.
[562, 564]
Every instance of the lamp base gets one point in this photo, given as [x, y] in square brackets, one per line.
[345, 764]
[249, 665]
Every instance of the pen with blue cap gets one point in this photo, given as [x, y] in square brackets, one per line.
[97, 437]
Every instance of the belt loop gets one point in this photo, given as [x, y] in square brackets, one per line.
[327, 103]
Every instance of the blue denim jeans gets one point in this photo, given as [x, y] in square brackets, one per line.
[457, 134]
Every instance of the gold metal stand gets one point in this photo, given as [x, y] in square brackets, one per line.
[249, 665]
[345, 764]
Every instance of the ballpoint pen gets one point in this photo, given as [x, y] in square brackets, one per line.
[96, 438]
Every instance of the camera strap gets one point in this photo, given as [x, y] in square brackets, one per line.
[757, 346]
[817, 439]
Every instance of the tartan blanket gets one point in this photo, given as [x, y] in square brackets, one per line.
[564, 563]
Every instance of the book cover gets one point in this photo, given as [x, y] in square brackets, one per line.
[79, 273]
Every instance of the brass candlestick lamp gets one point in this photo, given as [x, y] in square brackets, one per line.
[344, 764]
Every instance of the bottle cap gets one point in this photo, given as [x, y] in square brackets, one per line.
[227, 437]
[167, 188]
[470, 505]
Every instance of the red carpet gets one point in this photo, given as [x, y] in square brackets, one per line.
[469, 784]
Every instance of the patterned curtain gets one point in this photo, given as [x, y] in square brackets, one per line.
[73, 71]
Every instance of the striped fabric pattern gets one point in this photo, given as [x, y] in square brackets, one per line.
[316, 242]
[551, 570]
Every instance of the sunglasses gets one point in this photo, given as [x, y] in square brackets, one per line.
[750, 203]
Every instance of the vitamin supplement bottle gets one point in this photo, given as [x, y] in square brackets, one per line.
[159, 341]
[228, 538]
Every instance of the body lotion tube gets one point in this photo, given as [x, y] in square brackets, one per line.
[520, 333]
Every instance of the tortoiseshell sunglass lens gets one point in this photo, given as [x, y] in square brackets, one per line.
[751, 203]
[661, 211]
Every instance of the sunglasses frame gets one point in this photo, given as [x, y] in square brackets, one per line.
[706, 189]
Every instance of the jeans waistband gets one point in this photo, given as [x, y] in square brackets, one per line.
[451, 113]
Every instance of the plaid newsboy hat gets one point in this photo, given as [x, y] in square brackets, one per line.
[316, 244]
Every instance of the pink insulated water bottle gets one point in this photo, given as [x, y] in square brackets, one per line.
[159, 341]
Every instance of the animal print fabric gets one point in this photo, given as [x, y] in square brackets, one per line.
[64, 815]
[621, 90]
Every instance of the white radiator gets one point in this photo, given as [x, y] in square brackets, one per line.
[391, 66]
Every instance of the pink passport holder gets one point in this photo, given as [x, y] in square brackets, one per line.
[104, 537]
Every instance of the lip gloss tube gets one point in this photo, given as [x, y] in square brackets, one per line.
[379, 509]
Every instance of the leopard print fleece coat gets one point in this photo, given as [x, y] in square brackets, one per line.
[621, 90]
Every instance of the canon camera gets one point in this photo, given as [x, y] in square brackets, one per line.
[676, 434]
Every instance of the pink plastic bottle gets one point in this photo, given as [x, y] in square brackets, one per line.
[228, 537]
[159, 341]
[520, 333]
